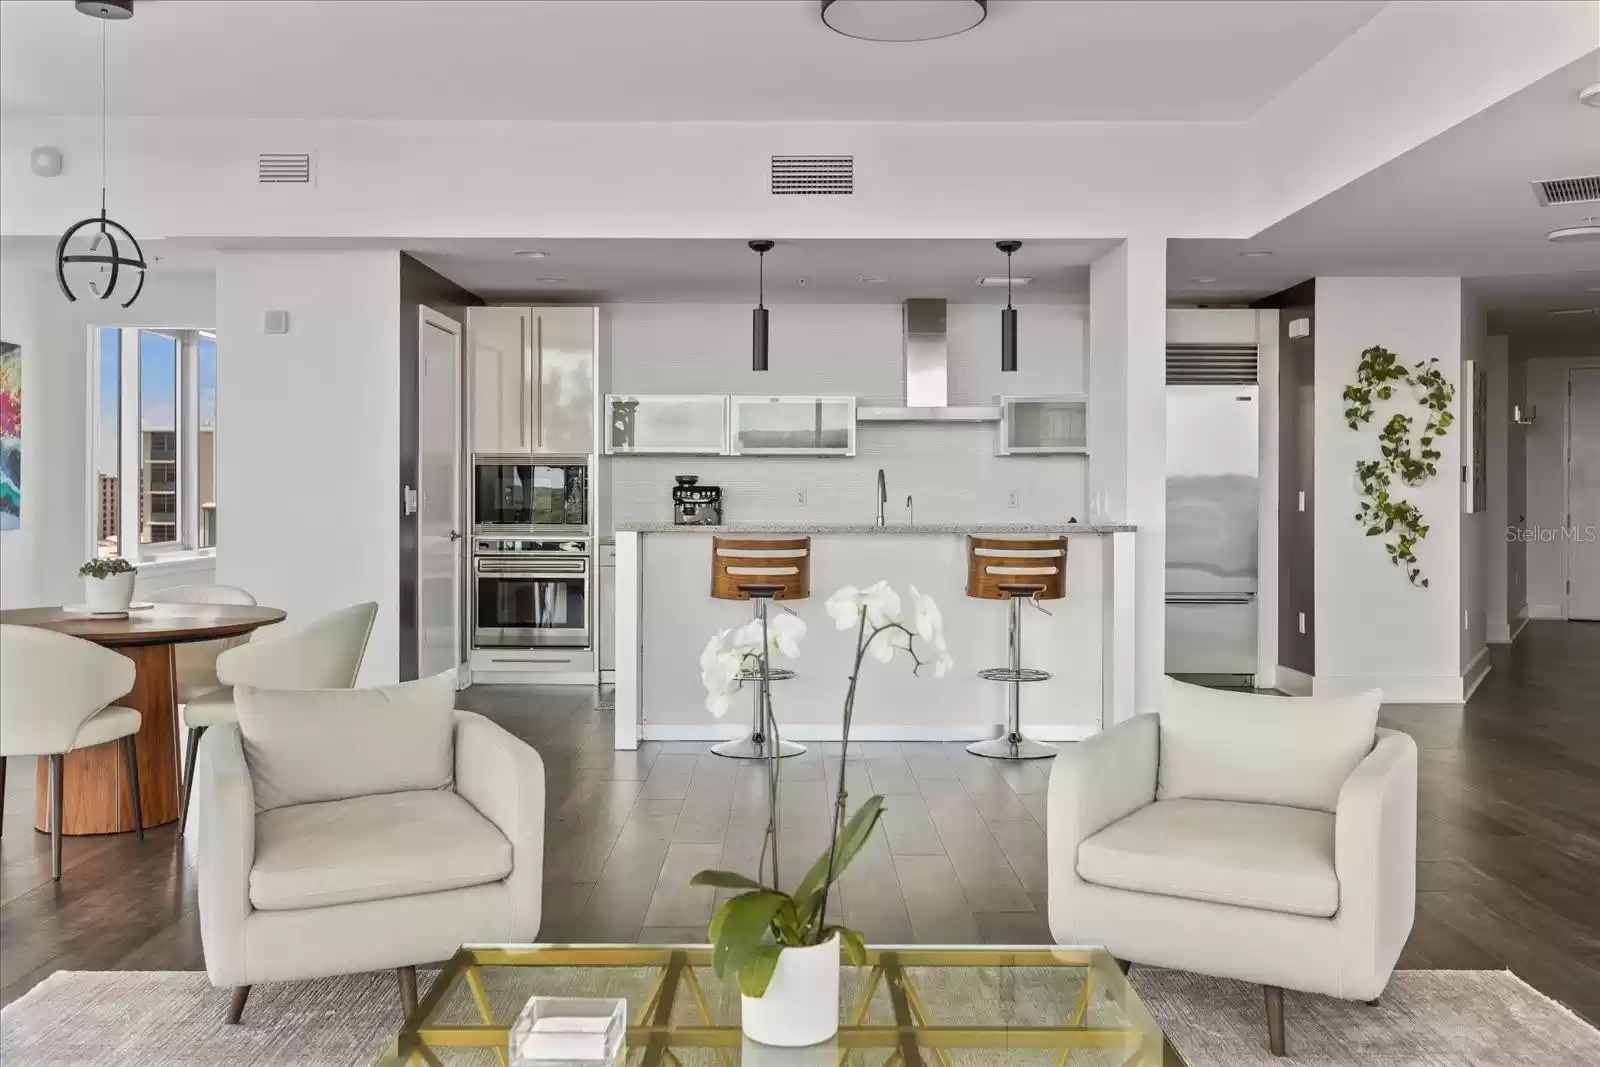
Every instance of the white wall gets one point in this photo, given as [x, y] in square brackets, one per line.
[949, 469]
[1546, 471]
[308, 490]
[1475, 528]
[1495, 354]
[1517, 495]
[39, 561]
[1374, 629]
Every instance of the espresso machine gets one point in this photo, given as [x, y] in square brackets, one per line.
[694, 504]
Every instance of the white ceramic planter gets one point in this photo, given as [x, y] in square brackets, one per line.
[801, 1005]
[109, 594]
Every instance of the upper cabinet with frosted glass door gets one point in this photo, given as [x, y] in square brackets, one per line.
[792, 425]
[1043, 425]
[532, 379]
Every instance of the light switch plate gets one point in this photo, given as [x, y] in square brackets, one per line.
[275, 321]
[1302, 622]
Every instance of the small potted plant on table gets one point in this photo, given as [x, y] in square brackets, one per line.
[107, 585]
[779, 946]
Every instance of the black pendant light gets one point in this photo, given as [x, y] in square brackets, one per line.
[105, 248]
[1008, 317]
[758, 317]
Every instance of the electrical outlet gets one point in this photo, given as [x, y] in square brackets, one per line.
[1014, 499]
[800, 497]
[1302, 502]
[1302, 622]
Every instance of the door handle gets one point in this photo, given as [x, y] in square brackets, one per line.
[455, 535]
[522, 393]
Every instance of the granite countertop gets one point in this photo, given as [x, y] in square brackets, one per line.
[1070, 529]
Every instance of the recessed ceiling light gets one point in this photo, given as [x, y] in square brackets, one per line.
[1587, 231]
[872, 281]
[1577, 311]
[1256, 253]
[902, 20]
[530, 253]
[1202, 281]
[1590, 96]
[1000, 282]
[550, 281]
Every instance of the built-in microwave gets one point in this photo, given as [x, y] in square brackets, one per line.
[530, 495]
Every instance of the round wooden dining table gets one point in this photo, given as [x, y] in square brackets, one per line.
[93, 800]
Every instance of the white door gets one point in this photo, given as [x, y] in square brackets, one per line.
[1583, 494]
[439, 540]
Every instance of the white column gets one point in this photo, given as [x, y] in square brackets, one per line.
[630, 571]
[1127, 433]
[1496, 358]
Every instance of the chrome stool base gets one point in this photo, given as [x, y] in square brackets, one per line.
[756, 747]
[755, 744]
[1012, 746]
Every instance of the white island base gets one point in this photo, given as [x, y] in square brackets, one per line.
[665, 614]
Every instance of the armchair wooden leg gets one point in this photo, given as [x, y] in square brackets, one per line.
[408, 991]
[131, 760]
[57, 773]
[191, 753]
[1124, 966]
[1373, 1003]
[1275, 1040]
[236, 1003]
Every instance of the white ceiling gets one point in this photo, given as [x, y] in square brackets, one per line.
[662, 59]
[796, 271]
[1458, 205]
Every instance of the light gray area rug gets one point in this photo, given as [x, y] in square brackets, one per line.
[174, 1019]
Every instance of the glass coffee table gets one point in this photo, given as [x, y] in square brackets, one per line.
[908, 1006]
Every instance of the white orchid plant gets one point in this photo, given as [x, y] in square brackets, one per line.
[750, 931]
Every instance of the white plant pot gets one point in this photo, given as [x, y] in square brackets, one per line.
[801, 1005]
[109, 594]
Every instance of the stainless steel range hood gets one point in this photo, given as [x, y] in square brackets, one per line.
[926, 381]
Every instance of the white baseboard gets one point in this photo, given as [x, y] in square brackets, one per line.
[1546, 611]
[1397, 689]
[1295, 683]
[1474, 674]
[1522, 624]
[727, 731]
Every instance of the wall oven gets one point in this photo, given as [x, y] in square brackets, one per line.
[530, 495]
[530, 593]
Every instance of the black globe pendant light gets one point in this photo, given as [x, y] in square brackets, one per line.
[758, 316]
[112, 246]
[1008, 317]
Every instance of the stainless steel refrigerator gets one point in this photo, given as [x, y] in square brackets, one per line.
[1213, 502]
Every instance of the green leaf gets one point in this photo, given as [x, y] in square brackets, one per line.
[743, 930]
[756, 975]
[852, 839]
[725, 880]
[855, 949]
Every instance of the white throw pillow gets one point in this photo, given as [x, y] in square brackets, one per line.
[1295, 751]
[311, 745]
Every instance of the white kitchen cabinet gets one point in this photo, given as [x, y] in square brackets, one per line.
[608, 608]
[792, 425]
[1043, 425]
[532, 379]
[680, 425]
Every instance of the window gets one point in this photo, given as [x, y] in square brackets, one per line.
[155, 417]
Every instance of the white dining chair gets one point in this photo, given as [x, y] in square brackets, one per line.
[323, 654]
[194, 665]
[55, 697]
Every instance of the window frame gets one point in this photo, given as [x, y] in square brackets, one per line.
[130, 452]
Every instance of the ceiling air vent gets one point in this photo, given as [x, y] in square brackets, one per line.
[1211, 364]
[283, 168]
[813, 175]
[1559, 191]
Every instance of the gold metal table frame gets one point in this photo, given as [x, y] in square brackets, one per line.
[915, 1039]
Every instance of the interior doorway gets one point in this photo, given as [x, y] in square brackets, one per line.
[439, 537]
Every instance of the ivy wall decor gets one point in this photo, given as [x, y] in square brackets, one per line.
[1402, 457]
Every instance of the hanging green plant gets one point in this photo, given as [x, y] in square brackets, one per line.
[1382, 513]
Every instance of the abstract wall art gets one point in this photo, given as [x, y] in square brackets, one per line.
[10, 435]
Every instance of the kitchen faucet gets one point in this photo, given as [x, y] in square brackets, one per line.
[883, 495]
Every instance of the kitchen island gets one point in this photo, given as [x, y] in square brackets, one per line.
[665, 614]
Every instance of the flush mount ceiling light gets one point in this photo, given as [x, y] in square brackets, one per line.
[1008, 317]
[999, 281]
[551, 281]
[758, 317]
[1587, 231]
[1256, 253]
[530, 253]
[1207, 280]
[1590, 95]
[903, 20]
[105, 249]
[872, 281]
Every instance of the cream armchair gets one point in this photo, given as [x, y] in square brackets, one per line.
[358, 830]
[1266, 839]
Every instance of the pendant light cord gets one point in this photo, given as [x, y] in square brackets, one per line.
[1008, 279]
[761, 279]
[102, 118]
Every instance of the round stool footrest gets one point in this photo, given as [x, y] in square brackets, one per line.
[774, 674]
[1006, 674]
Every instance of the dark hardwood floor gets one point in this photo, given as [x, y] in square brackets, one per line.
[1508, 839]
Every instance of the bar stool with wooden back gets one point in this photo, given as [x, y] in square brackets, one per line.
[1017, 571]
[760, 570]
